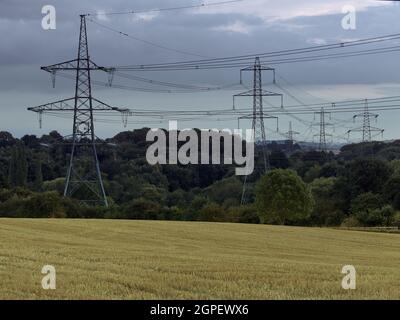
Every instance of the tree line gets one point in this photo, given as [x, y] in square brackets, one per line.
[360, 186]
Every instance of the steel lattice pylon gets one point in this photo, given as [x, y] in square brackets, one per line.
[83, 128]
[322, 129]
[83, 180]
[258, 112]
[290, 135]
[258, 116]
[366, 129]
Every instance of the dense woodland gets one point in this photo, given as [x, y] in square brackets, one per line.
[360, 186]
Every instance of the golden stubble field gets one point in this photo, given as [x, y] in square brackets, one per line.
[105, 259]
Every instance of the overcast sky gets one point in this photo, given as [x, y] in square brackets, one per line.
[247, 27]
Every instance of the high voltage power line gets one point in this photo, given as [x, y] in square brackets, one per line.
[214, 66]
[238, 61]
[194, 6]
[241, 60]
[295, 110]
[177, 88]
[235, 61]
[151, 43]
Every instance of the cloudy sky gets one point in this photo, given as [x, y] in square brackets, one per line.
[247, 27]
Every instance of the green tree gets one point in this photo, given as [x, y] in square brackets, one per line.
[38, 182]
[367, 175]
[22, 167]
[18, 168]
[224, 189]
[361, 176]
[326, 211]
[395, 166]
[391, 190]
[367, 208]
[312, 173]
[282, 196]
[12, 172]
[278, 160]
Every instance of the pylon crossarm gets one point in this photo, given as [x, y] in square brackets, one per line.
[263, 116]
[355, 130]
[67, 65]
[261, 67]
[62, 105]
[68, 105]
[264, 93]
[251, 68]
[326, 135]
[72, 65]
[377, 129]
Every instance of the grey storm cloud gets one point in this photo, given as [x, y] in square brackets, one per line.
[203, 34]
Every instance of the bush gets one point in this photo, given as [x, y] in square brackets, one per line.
[350, 222]
[72, 208]
[244, 214]
[142, 209]
[231, 203]
[92, 212]
[384, 215]
[172, 214]
[368, 210]
[370, 219]
[20, 193]
[113, 212]
[396, 220]
[54, 185]
[11, 207]
[396, 202]
[43, 205]
[212, 212]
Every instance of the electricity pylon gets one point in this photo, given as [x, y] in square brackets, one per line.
[322, 129]
[83, 180]
[366, 128]
[258, 116]
[290, 134]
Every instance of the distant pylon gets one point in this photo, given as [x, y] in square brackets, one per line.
[83, 180]
[366, 128]
[290, 134]
[322, 129]
[258, 116]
